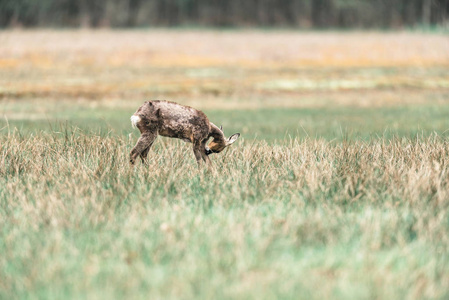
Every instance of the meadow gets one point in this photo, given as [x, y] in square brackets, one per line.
[338, 187]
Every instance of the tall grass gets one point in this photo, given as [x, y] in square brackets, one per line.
[308, 219]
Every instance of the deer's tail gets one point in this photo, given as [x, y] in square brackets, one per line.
[135, 120]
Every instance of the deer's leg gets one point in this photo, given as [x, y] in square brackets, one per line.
[142, 147]
[144, 154]
[197, 152]
[203, 153]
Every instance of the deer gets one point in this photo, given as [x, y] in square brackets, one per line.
[170, 119]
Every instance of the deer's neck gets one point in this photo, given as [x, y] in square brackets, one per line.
[217, 134]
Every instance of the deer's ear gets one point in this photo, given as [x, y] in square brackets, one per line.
[233, 138]
[221, 128]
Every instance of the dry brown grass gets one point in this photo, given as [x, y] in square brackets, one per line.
[75, 215]
[212, 48]
[149, 63]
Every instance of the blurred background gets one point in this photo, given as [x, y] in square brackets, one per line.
[332, 69]
[224, 13]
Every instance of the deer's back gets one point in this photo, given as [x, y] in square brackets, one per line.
[174, 120]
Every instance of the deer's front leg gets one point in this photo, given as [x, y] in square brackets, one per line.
[142, 147]
[200, 154]
[197, 152]
[203, 153]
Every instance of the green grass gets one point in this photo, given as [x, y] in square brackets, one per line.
[269, 124]
[346, 211]
[310, 219]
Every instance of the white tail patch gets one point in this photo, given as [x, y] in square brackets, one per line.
[135, 120]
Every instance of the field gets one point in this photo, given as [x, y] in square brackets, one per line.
[338, 187]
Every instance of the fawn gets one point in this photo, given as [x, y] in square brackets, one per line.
[170, 119]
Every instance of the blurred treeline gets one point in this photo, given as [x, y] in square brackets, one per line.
[295, 13]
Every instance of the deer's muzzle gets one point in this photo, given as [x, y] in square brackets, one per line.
[208, 151]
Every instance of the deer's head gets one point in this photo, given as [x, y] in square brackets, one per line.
[220, 142]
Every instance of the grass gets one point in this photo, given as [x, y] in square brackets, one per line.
[337, 188]
[273, 124]
[368, 218]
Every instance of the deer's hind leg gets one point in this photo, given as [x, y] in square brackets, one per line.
[144, 154]
[142, 147]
